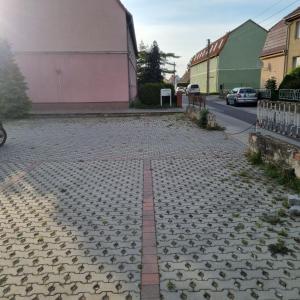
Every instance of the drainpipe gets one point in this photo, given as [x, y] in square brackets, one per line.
[208, 68]
[128, 58]
[286, 52]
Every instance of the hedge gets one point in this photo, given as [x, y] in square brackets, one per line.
[149, 93]
[292, 80]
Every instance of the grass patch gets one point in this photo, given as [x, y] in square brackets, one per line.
[258, 224]
[203, 118]
[235, 215]
[239, 227]
[285, 203]
[283, 176]
[254, 158]
[243, 174]
[171, 286]
[204, 124]
[271, 219]
[283, 233]
[282, 213]
[216, 128]
[279, 248]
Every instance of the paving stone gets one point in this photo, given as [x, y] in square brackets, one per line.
[71, 210]
[211, 237]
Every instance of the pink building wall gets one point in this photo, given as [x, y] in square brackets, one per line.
[78, 77]
[132, 64]
[64, 25]
[72, 51]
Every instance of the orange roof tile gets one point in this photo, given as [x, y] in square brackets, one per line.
[276, 39]
[215, 49]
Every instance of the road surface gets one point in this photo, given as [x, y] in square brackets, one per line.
[243, 113]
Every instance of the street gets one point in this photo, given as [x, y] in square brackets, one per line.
[238, 121]
[244, 113]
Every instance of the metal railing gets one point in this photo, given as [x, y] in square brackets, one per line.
[280, 117]
[197, 100]
[264, 93]
[289, 95]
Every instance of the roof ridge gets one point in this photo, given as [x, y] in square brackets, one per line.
[131, 25]
[215, 41]
[292, 14]
[217, 45]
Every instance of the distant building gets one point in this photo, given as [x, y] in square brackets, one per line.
[234, 59]
[73, 53]
[185, 79]
[281, 52]
[273, 55]
[172, 80]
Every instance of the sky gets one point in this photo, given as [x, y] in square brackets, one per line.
[183, 26]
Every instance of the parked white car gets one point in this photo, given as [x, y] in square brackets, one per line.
[180, 89]
[241, 95]
[193, 89]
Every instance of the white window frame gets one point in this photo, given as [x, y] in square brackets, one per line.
[296, 62]
[297, 32]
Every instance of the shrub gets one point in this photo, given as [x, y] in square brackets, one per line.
[292, 80]
[203, 120]
[254, 158]
[271, 84]
[149, 93]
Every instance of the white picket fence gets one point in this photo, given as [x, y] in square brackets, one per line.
[279, 116]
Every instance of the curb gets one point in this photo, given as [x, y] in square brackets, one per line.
[103, 115]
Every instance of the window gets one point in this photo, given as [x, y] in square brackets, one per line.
[269, 67]
[298, 30]
[296, 62]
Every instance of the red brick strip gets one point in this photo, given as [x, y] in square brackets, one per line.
[150, 273]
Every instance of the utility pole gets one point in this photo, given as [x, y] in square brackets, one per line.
[174, 75]
[208, 67]
[174, 71]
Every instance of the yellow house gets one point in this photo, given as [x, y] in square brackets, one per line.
[281, 52]
[293, 40]
[273, 55]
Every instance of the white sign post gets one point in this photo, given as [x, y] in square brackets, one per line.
[165, 93]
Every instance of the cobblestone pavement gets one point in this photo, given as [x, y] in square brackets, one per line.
[71, 194]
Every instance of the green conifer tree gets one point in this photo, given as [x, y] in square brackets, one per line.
[14, 101]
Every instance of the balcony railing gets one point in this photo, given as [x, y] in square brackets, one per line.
[264, 93]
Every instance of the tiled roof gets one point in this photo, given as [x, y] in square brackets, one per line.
[185, 78]
[293, 14]
[276, 39]
[215, 49]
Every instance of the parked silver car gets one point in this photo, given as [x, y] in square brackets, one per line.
[241, 95]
